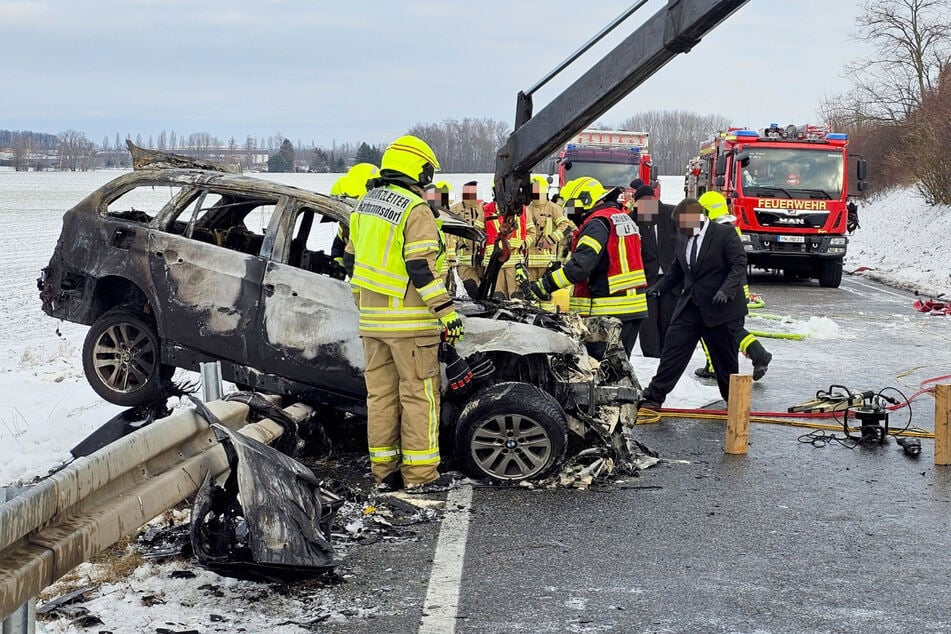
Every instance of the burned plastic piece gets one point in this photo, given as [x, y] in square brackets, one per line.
[122, 424]
[270, 520]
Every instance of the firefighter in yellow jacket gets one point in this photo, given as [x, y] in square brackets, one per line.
[545, 224]
[394, 251]
[469, 252]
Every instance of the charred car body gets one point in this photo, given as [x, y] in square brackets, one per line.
[173, 267]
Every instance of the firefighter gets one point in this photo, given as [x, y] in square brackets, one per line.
[717, 210]
[545, 226]
[605, 264]
[442, 197]
[351, 185]
[393, 258]
[469, 252]
[505, 284]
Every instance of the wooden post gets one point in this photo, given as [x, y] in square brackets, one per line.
[942, 424]
[738, 414]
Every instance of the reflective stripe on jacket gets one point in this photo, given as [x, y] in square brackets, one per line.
[625, 269]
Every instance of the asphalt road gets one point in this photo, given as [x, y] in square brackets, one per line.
[789, 538]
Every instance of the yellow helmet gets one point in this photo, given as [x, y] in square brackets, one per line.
[337, 188]
[412, 157]
[714, 204]
[542, 184]
[357, 178]
[353, 184]
[585, 191]
[444, 187]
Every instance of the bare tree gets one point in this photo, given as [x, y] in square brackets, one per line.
[22, 149]
[464, 146]
[675, 135]
[76, 151]
[912, 41]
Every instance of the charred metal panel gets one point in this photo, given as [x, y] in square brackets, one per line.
[208, 295]
[270, 519]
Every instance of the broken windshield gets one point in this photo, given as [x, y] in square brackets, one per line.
[793, 173]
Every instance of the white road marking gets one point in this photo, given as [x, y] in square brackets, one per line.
[442, 596]
[879, 289]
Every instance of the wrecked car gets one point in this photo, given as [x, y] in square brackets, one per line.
[171, 266]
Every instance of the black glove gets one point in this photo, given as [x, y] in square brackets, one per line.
[652, 291]
[458, 372]
[720, 298]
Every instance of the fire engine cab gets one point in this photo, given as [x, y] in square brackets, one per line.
[613, 157]
[789, 189]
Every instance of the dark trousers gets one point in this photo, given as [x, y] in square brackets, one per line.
[654, 329]
[629, 330]
[682, 337]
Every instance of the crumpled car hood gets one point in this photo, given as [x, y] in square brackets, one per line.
[492, 335]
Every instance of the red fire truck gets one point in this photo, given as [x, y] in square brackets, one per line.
[790, 190]
[614, 157]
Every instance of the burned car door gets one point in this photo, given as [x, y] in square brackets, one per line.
[308, 329]
[207, 267]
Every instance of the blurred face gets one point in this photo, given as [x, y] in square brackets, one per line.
[470, 192]
[536, 191]
[647, 209]
[690, 217]
[432, 195]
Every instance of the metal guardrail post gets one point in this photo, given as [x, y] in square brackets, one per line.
[23, 620]
[211, 387]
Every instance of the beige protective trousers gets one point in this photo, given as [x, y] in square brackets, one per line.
[402, 377]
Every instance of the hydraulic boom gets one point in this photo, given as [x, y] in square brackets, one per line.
[674, 29]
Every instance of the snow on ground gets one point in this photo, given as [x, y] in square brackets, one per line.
[904, 242]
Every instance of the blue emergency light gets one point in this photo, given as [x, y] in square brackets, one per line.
[747, 133]
[837, 136]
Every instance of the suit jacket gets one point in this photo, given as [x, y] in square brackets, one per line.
[658, 242]
[721, 266]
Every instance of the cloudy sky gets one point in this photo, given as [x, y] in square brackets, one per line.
[322, 70]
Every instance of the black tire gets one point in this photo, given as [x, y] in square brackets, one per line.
[830, 273]
[122, 359]
[511, 432]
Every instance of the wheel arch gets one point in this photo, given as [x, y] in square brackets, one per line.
[111, 291]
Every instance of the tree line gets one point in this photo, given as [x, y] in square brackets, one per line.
[898, 110]
[468, 145]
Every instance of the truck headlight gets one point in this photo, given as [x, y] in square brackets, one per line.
[744, 238]
[836, 249]
[838, 241]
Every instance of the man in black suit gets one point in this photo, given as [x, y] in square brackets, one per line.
[711, 264]
[658, 231]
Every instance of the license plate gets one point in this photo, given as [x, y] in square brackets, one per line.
[799, 239]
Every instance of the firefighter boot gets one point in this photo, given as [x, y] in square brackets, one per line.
[760, 358]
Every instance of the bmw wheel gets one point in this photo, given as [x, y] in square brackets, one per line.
[122, 358]
[511, 432]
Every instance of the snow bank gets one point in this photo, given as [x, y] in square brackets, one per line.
[904, 242]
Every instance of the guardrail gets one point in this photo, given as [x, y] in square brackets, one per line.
[96, 500]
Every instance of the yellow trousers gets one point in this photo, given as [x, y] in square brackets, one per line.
[402, 377]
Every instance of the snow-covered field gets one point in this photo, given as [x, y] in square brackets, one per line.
[46, 406]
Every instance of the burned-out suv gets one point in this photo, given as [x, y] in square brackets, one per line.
[173, 267]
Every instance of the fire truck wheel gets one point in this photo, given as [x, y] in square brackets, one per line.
[511, 432]
[830, 274]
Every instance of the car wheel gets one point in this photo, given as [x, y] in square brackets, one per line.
[122, 359]
[511, 432]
